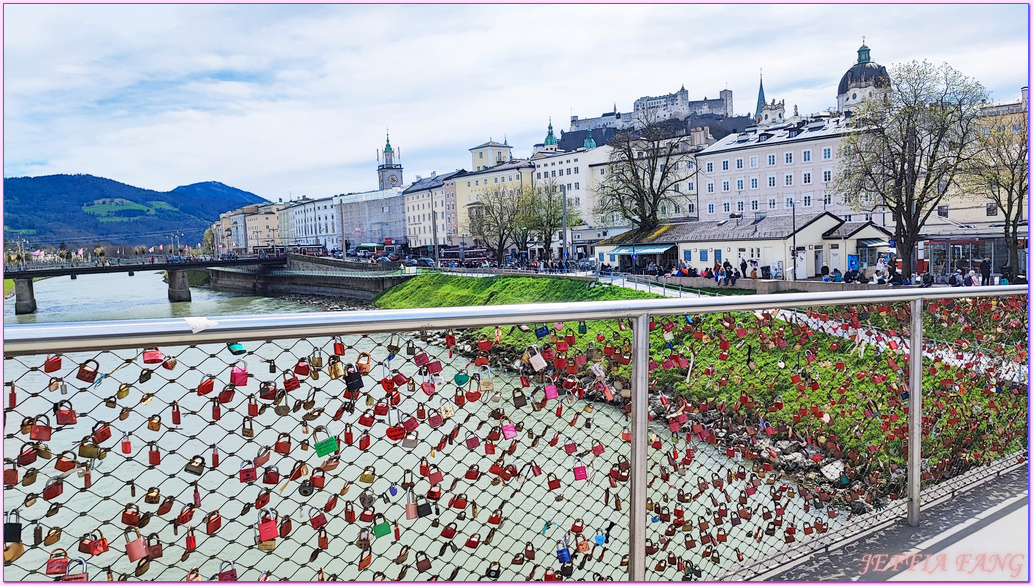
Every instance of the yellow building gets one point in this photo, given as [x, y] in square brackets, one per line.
[495, 168]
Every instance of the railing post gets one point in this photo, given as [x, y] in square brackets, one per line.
[914, 423]
[639, 456]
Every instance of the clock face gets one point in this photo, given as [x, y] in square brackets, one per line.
[393, 179]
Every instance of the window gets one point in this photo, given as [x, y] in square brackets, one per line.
[577, 185]
[724, 165]
[806, 177]
[942, 211]
[771, 180]
[717, 255]
[827, 199]
[710, 187]
[826, 153]
[602, 171]
[789, 158]
[703, 255]
[677, 188]
[710, 208]
[789, 202]
[568, 187]
[554, 173]
[991, 209]
[726, 206]
[687, 255]
[691, 185]
[753, 162]
[754, 205]
[753, 183]
[468, 184]
[806, 156]
[663, 167]
[807, 200]
[771, 160]
[576, 169]
[738, 163]
[539, 176]
[725, 185]
[789, 179]
[826, 176]
[691, 208]
[738, 184]
[481, 155]
[710, 167]
[740, 206]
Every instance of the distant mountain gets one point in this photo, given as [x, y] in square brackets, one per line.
[83, 209]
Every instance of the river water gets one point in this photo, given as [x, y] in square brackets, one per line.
[118, 296]
[527, 507]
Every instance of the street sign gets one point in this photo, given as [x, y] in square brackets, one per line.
[893, 243]
[634, 256]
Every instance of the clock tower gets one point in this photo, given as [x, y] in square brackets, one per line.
[389, 173]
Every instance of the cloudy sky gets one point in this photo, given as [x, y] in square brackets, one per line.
[288, 100]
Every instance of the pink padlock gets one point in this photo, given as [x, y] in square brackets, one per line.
[238, 374]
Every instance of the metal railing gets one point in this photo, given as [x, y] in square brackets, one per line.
[748, 479]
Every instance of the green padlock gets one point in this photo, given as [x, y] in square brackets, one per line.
[326, 446]
[236, 348]
[461, 378]
[381, 529]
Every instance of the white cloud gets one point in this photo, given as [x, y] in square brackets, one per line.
[281, 98]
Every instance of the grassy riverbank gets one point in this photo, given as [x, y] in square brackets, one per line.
[438, 290]
[8, 286]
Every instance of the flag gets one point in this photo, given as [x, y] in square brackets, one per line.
[161, 247]
[151, 249]
[80, 252]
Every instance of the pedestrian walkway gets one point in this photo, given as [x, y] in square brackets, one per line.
[979, 535]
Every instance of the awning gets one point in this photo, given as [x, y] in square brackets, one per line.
[642, 249]
[872, 243]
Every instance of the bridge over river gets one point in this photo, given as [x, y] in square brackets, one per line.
[179, 288]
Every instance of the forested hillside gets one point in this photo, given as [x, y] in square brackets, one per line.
[84, 208]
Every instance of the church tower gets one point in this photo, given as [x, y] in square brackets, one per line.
[389, 173]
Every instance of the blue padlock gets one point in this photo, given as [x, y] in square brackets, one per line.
[563, 552]
[541, 331]
[600, 537]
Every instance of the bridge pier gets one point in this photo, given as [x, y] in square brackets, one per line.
[24, 296]
[179, 286]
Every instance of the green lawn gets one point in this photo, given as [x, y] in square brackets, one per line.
[8, 286]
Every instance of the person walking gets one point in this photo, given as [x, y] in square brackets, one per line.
[984, 270]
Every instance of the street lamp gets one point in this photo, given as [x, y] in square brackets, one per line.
[792, 202]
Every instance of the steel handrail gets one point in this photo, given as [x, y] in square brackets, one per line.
[88, 336]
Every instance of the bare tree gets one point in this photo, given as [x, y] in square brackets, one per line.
[492, 220]
[524, 222]
[910, 146]
[1000, 172]
[646, 166]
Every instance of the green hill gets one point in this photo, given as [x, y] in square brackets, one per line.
[85, 209]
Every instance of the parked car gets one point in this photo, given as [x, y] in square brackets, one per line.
[424, 262]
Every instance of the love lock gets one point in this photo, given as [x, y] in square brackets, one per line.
[306, 489]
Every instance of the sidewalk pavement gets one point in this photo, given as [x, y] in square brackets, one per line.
[979, 535]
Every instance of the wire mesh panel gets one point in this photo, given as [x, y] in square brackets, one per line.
[770, 418]
[499, 453]
[975, 408]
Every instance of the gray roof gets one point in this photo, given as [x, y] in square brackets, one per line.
[789, 132]
[431, 182]
[492, 143]
[512, 165]
[766, 228]
[848, 229]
